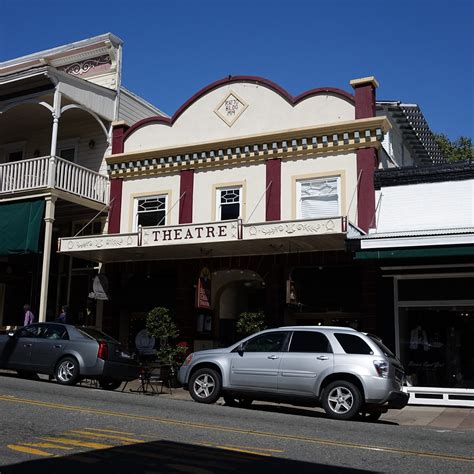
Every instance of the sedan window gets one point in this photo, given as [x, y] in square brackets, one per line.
[33, 330]
[268, 342]
[309, 341]
[55, 331]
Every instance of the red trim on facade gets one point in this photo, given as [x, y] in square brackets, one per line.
[186, 190]
[115, 210]
[366, 165]
[273, 186]
[250, 79]
[118, 133]
[364, 101]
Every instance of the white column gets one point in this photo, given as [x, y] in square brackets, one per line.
[48, 233]
[54, 138]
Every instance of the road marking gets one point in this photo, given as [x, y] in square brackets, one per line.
[27, 450]
[82, 444]
[47, 445]
[254, 447]
[107, 436]
[187, 424]
[110, 431]
[246, 451]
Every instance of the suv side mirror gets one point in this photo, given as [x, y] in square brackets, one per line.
[240, 350]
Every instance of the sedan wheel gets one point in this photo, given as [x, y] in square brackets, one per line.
[205, 386]
[341, 400]
[67, 371]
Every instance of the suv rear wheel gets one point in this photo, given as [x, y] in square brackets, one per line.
[341, 400]
[205, 385]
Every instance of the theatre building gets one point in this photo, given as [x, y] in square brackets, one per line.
[243, 201]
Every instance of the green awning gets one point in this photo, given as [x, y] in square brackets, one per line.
[20, 225]
[415, 252]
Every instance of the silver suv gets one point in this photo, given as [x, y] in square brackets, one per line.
[349, 373]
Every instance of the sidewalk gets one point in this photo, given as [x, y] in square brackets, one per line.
[442, 418]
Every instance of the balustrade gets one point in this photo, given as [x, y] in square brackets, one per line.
[34, 174]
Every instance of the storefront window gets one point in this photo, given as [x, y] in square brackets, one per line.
[436, 346]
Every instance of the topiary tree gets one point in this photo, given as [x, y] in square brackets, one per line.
[161, 326]
[248, 322]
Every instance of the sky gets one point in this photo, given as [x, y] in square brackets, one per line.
[420, 51]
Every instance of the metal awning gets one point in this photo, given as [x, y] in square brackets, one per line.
[214, 239]
[415, 252]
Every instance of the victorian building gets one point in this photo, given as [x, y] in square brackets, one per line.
[56, 111]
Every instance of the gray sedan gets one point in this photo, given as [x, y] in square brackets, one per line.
[67, 352]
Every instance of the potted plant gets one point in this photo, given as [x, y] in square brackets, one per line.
[161, 326]
[250, 322]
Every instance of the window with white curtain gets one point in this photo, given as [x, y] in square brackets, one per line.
[150, 211]
[318, 198]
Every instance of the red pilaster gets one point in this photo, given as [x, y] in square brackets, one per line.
[273, 197]
[366, 166]
[118, 131]
[367, 160]
[115, 205]
[186, 190]
[364, 92]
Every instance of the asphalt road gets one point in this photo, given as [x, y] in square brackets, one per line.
[50, 428]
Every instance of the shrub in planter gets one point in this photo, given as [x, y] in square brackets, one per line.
[249, 323]
[161, 326]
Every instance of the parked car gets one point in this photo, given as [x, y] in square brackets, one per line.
[68, 352]
[349, 373]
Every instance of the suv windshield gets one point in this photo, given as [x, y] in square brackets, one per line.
[97, 335]
[386, 351]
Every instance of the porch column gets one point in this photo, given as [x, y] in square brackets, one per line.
[54, 138]
[48, 233]
[367, 159]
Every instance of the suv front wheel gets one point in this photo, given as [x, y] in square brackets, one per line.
[341, 400]
[205, 385]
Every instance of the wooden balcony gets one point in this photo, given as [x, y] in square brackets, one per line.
[43, 173]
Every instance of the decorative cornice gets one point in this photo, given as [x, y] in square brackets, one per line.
[294, 143]
[247, 79]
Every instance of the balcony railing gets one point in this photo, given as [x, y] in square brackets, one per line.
[44, 172]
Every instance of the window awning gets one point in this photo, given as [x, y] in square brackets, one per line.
[414, 252]
[20, 225]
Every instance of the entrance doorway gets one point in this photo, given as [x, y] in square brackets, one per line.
[234, 292]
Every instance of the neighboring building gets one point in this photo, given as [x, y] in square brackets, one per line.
[242, 201]
[56, 111]
[422, 252]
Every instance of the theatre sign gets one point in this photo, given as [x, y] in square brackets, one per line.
[192, 233]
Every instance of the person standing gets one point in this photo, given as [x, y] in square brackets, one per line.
[63, 317]
[29, 316]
